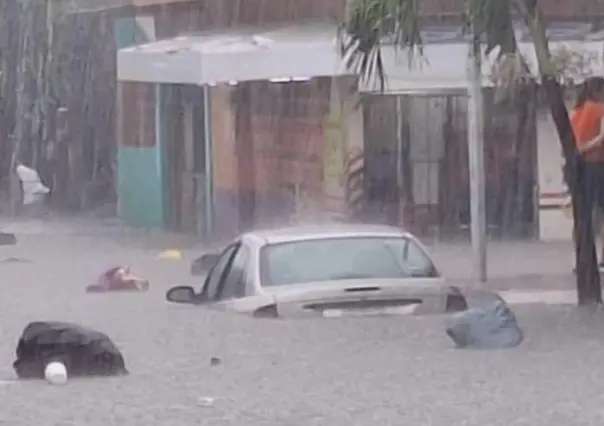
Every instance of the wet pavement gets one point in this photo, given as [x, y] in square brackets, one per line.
[348, 371]
[511, 264]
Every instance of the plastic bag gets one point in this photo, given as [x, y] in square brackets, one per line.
[33, 189]
[491, 327]
[83, 351]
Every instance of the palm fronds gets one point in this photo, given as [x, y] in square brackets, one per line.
[369, 24]
[372, 24]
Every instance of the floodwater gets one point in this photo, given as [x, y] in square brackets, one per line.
[350, 371]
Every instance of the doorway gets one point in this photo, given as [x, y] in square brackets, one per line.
[185, 149]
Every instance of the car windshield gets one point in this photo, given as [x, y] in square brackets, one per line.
[343, 258]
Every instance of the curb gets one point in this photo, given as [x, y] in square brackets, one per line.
[548, 297]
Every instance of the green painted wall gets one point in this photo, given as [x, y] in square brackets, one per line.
[164, 101]
[141, 171]
[140, 187]
[127, 32]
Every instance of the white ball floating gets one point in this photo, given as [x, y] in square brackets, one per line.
[56, 373]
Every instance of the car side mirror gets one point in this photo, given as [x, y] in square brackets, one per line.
[202, 265]
[182, 294]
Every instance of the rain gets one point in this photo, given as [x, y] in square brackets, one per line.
[171, 171]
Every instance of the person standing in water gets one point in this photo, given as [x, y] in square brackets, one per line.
[587, 120]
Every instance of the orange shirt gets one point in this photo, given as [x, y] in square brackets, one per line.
[585, 121]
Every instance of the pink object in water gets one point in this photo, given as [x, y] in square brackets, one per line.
[118, 279]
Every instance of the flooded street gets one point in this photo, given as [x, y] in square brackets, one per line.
[355, 371]
[477, 127]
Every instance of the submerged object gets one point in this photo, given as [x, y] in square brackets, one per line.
[493, 326]
[171, 254]
[83, 351]
[118, 278]
[7, 239]
[55, 373]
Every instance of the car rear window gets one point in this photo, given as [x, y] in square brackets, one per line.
[343, 258]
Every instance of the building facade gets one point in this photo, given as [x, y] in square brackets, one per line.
[159, 183]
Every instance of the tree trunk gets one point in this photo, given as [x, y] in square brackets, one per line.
[588, 276]
[9, 47]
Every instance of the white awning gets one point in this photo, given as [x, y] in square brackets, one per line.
[443, 66]
[304, 52]
[308, 51]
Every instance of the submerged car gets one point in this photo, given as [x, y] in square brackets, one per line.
[330, 270]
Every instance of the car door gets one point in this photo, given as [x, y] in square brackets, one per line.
[235, 290]
[233, 283]
[212, 285]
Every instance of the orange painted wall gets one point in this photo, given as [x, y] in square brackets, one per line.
[288, 154]
[223, 137]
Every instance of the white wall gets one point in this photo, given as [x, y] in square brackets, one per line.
[554, 225]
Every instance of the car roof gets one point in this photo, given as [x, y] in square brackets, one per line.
[311, 232]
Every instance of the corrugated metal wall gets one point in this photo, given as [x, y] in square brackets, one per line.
[417, 171]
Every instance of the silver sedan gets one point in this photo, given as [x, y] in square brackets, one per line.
[330, 270]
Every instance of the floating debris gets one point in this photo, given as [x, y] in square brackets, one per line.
[118, 278]
[171, 254]
[206, 401]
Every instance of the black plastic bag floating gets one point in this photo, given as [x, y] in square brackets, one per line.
[83, 351]
[493, 326]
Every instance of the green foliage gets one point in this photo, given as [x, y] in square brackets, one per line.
[491, 22]
[370, 24]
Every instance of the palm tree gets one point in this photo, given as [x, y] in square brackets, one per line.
[369, 24]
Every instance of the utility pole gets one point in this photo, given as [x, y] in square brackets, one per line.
[476, 159]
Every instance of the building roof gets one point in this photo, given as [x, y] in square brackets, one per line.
[304, 51]
[558, 9]
[234, 55]
[94, 5]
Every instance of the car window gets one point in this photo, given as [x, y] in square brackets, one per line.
[413, 259]
[343, 258]
[212, 284]
[233, 284]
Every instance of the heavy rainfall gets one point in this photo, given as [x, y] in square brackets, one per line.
[294, 212]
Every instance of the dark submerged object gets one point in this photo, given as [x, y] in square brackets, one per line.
[7, 239]
[493, 326]
[83, 351]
